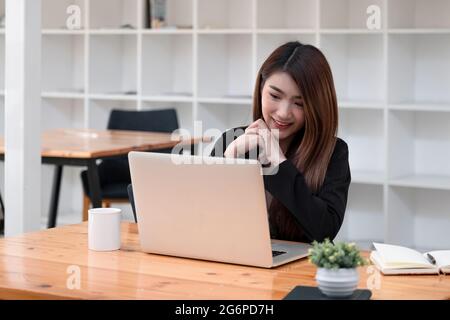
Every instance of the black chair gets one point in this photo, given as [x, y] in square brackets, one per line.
[114, 173]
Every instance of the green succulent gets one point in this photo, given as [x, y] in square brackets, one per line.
[335, 256]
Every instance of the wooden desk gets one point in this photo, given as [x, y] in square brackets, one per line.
[35, 265]
[83, 147]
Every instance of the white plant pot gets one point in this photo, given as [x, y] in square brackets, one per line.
[337, 283]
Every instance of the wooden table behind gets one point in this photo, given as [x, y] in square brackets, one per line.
[36, 265]
[91, 143]
[83, 147]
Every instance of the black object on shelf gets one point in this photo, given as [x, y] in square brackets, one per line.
[148, 14]
[313, 293]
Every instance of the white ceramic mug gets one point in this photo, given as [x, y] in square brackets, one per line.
[104, 229]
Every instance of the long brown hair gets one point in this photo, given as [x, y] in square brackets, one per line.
[313, 145]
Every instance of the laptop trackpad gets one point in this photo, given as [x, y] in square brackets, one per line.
[288, 251]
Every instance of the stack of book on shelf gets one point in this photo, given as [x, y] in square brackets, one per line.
[156, 16]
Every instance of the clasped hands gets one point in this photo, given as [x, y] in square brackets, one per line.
[258, 134]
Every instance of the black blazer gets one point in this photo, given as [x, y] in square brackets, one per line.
[319, 215]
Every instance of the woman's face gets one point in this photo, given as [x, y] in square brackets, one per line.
[282, 105]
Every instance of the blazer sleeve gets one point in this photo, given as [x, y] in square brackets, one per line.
[321, 214]
[221, 144]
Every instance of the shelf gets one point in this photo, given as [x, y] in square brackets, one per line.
[349, 31]
[113, 14]
[378, 105]
[58, 94]
[347, 14]
[62, 63]
[224, 31]
[286, 14]
[419, 69]
[62, 95]
[419, 31]
[224, 14]
[364, 218]
[427, 107]
[422, 181]
[62, 32]
[419, 217]
[113, 64]
[56, 13]
[166, 31]
[367, 177]
[357, 65]
[226, 65]
[124, 31]
[419, 148]
[284, 31]
[268, 42]
[419, 14]
[363, 131]
[112, 97]
[167, 65]
[168, 98]
[225, 100]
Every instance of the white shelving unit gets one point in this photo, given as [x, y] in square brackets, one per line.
[363, 130]
[393, 87]
[419, 14]
[63, 53]
[54, 14]
[224, 15]
[357, 64]
[423, 160]
[346, 16]
[286, 15]
[419, 70]
[364, 218]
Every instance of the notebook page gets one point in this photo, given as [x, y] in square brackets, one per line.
[442, 258]
[400, 256]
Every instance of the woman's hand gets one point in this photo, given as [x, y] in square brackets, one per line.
[241, 145]
[258, 134]
[272, 152]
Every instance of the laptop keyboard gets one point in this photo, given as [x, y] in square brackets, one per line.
[277, 253]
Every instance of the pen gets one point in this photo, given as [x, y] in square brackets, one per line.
[431, 258]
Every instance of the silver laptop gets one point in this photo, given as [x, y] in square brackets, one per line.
[206, 208]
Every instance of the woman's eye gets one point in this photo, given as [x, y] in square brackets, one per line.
[274, 96]
[299, 104]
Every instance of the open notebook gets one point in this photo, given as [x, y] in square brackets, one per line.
[392, 259]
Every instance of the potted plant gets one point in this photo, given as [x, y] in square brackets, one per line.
[336, 275]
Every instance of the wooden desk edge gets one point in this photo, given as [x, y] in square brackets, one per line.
[424, 287]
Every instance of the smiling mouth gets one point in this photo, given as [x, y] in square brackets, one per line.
[281, 124]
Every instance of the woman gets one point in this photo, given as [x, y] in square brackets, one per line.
[295, 125]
